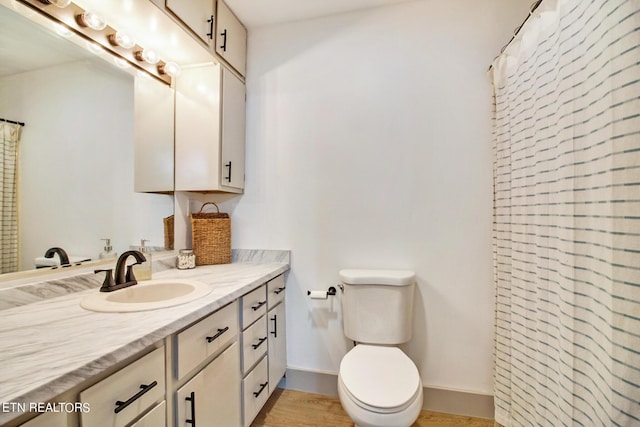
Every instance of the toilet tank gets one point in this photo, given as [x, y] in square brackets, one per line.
[377, 305]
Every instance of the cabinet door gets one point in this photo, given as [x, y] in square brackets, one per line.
[231, 38]
[50, 419]
[198, 129]
[153, 136]
[157, 417]
[233, 130]
[212, 397]
[197, 15]
[277, 344]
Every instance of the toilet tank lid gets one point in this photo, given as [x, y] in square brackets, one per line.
[377, 277]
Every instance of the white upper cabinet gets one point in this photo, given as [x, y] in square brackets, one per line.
[233, 130]
[231, 38]
[210, 130]
[196, 15]
[213, 24]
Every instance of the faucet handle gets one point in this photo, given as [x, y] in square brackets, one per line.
[109, 283]
[130, 277]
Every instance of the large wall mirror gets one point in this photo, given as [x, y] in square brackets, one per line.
[76, 153]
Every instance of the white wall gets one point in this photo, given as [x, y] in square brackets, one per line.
[76, 161]
[369, 146]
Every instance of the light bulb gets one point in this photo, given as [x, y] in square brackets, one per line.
[62, 30]
[170, 69]
[121, 63]
[148, 55]
[91, 20]
[95, 48]
[122, 39]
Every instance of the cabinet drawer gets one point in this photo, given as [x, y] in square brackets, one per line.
[275, 291]
[254, 343]
[254, 305]
[205, 338]
[157, 417]
[124, 392]
[255, 391]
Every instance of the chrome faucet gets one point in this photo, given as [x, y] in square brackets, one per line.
[122, 280]
[64, 258]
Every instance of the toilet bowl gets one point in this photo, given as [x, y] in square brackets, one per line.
[379, 386]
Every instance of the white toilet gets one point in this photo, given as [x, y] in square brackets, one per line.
[378, 385]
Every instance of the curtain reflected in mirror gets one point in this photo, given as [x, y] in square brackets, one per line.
[9, 147]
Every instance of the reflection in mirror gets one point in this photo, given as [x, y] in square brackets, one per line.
[76, 154]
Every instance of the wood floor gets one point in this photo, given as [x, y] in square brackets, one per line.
[297, 409]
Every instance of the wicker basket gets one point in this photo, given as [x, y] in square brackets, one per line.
[211, 236]
[168, 232]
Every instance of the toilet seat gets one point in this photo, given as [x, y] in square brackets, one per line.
[380, 379]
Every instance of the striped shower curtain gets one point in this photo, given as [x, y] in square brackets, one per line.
[567, 217]
[9, 143]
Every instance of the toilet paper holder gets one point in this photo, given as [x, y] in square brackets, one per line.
[322, 294]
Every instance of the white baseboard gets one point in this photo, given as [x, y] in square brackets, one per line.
[435, 399]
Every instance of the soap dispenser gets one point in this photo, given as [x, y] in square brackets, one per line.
[142, 271]
[107, 253]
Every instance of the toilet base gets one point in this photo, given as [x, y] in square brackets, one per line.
[365, 418]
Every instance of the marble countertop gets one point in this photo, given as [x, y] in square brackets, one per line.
[51, 346]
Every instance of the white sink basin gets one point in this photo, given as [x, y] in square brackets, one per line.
[146, 295]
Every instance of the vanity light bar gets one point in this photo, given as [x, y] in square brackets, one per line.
[59, 3]
[92, 27]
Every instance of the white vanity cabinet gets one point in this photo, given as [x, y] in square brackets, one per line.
[209, 130]
[264, 348]
[127, 394]
[50, 419]
[231, 38]
[195, 15]
[277, 331]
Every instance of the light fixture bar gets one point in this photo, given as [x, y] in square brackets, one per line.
[89, 26]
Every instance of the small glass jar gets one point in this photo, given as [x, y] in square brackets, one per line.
[186, 259]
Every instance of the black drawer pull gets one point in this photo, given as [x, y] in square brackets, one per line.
[220, 332]
[262, 387]
[224, 40]
[120, 405]
[278, 290]
[192, 399]
[228, 177]
[258, 305]
[210, 33]
[275, 326]
[259, 343]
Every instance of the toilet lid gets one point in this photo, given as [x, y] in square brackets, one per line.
[380, 377]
